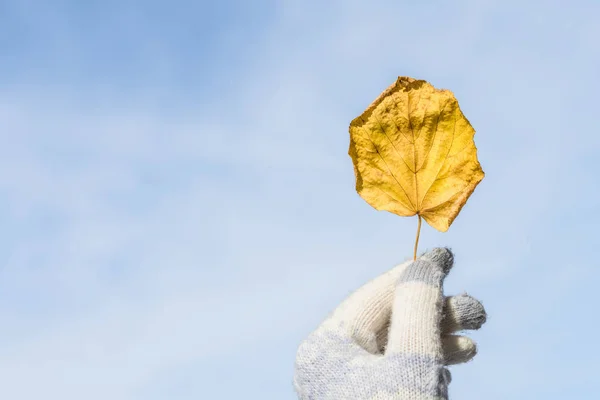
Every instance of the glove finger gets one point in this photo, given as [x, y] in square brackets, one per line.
[462, 312]
[365, 314]
[458, 349]
[418, 304]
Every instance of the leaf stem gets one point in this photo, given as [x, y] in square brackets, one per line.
[417, 240]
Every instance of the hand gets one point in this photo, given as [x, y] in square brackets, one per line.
[392, 338]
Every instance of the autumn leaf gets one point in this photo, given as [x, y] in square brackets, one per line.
[413, 153]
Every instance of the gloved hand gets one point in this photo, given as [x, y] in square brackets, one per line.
[391, 339]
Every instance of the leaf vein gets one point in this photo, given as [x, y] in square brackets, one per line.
[437, 174]
[389, 170]
[392, 143]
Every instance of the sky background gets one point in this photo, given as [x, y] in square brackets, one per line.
[178, 207]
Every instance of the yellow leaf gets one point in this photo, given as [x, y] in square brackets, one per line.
[413, 153]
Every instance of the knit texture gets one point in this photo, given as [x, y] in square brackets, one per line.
[392, 338]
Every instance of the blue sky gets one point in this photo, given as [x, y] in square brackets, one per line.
[178, 206]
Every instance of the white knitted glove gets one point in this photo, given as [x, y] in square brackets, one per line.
[351, 357]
